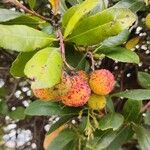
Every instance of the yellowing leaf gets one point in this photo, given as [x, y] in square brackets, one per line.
[55, 6]
[132, 42]
[147, 21]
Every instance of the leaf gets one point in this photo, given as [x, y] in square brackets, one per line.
[115, 40]
[17, 68]
[147, 117]
[23, 38]
[55, 5]
[3, 107]
[123, 135]
[143, 136]
[6, 15]
[144, 79]
[40, 108]
[111, 121]
[120, 54]
[109, 22]
[134, 5]
[27, 20]
[32, 3]
[137, 94]
[131, 110]
[66, 17]
[109, 105]
[66, 136]
[18, 113]
[83, 9]
[113, 140]
[46, 66]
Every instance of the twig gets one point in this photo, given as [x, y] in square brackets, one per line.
[62, 47]
[90, 55]
[19, 5]
[145, 107]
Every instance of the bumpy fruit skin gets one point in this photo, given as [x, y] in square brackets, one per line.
[102, 82]
[78, 94]
[97, 102]
[83, 74]
[53, 93]
[49, 138]
[45, 94]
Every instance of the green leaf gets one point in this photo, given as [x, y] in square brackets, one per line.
[96, 28]
[144, 79]
[17, 68]
[28, 20]
[46, 66]
[123, 135]
[66, 17]
[131, 110]
[6, 15]
[109, 105]
[120, 54]
[111, 121]
[3, 107]
[115, 40]
[113, 140]
[143, 136]
[62, 140]
[23, 38]
[138, 94]
[60, 122]
[83, 9]
[40, 108]
[134, 5]
[18, 113]
[32, 3]
[147, 117]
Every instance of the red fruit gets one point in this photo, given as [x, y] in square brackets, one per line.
[102, 82]
[78, 94]
[53, 93]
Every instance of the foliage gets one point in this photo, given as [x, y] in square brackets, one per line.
[86, 31]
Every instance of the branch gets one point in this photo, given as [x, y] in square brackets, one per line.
[90, 55]
[62, 47]
[19, 5]
[145, 107]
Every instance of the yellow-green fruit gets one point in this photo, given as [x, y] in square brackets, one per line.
[47, 94]
[97, 102]
[147, 21]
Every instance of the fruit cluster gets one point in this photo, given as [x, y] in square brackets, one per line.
[79, 88]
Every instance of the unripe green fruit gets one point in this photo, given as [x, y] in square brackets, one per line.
[97, 102]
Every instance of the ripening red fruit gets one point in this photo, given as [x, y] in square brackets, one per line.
[47, 94]
[78, 94]
[102, 82]
[83, 74]
[44, 94]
